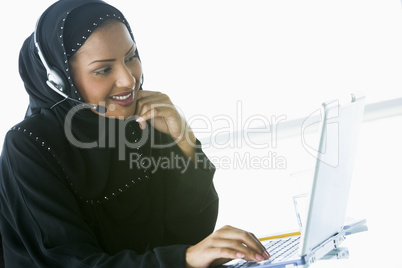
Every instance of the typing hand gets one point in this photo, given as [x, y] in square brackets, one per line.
[224, 245]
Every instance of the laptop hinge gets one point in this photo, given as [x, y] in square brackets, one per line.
[325, 247]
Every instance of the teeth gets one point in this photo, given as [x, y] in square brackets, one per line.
[121, 97]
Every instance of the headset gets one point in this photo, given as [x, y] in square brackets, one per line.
[55, 79]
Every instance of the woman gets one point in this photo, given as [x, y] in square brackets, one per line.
[102, 173]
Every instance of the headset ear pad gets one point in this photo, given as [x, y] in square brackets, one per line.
[56, 79]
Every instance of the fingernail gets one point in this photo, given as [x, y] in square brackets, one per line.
[266, 255]
[240, 255]
[259, 257]
[139, 119]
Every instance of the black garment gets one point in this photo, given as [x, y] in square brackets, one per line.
[64, 205]
[54, 212]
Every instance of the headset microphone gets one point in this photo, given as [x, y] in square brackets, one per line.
[99, 108]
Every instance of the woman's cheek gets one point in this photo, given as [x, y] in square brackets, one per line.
[97, 91]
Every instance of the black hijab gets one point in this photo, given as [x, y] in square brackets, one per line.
[61, 31]
[63, 28]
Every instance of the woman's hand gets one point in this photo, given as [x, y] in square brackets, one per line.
[224, 245]
[158, 108]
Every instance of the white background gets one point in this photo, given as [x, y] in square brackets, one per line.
[274, 57]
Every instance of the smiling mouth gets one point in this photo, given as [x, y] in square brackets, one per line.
[121, 97]
[124, 99]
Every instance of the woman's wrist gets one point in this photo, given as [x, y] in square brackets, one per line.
[187, 144]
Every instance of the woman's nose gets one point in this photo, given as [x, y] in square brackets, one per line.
[125, 78]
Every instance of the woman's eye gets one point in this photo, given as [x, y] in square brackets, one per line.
[103, 71]
[132, 58]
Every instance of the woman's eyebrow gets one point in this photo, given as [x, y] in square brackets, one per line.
[131, 49]
[111, 60]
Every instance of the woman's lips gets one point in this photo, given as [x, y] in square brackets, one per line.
[123, 99]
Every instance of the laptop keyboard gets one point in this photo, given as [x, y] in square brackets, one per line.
[283, 248]
[279, 249]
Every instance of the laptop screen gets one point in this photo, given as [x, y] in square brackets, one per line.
[333, 172]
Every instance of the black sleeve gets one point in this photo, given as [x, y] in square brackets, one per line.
[191, 199]
[41, 222]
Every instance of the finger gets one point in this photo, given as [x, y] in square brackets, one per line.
[204, 254]
[155, 97]
[145, 105]
[146, 102]
[157, 109]
[252, 242]
[254, 248]
[246, 252]
[166, 116]
[265, 252]
[146, 93]
[219, 262]
[224, 253]
[142, 123]
[139, 98]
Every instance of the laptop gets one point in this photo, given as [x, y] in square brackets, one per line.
[323, 228]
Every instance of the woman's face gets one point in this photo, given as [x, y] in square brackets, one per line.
[106, 70]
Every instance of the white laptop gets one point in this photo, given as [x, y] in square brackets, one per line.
[323, 229]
